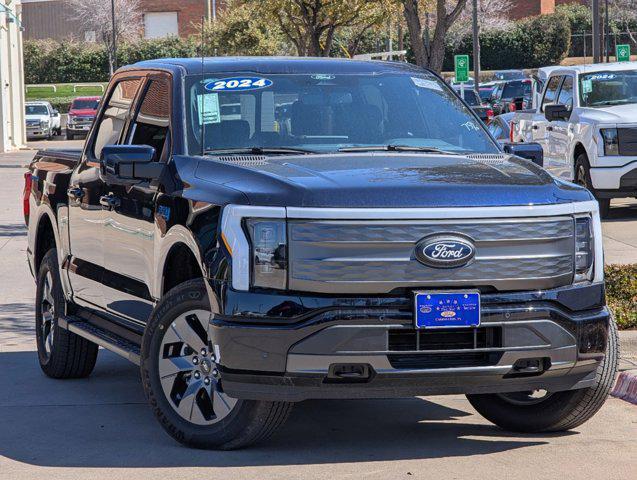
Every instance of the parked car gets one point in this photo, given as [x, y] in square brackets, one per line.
[486, 90]
[484, 112]
[81, 116]
[585, 123]
[42, 120]
[500, 127]
[509, 75]
[510, 95]
[374, 241]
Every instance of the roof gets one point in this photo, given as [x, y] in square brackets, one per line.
[92, 97]
[273, 65]
[37, 102]
[594, 67]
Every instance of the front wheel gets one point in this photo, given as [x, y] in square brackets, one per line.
[583, 178]
[541, 411]
[183, 384]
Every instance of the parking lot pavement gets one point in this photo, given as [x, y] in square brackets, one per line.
[100, 427]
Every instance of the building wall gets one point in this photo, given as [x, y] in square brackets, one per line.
[529, 8]
[12, 128]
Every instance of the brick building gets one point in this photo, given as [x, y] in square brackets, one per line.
[51, 19]
[529, 8]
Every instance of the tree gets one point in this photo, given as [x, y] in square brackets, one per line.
[96, 16]
[624, 14]
[240, 32]
[492, 15]
[311, 25]
[429, 50]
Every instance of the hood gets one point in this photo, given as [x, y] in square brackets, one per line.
[617, 114]
[83, 112]
[36, 117]
[369, 180]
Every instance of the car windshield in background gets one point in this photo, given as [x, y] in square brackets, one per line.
[601, 89]
[84, 104]
[509, 75]
[326, 112]
[470, 97]
[36, 110]
[517, 89]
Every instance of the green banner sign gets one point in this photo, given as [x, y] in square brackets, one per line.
[622, 53]
[461, 63]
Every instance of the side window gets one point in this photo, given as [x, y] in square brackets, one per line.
[115, 114]
[150, 126]
[566, 92]
[551, 90]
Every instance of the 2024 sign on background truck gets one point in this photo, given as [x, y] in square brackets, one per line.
[250, 247]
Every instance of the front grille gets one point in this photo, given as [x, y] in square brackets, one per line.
[402, 340]
[627, 141]
[445, 360]
[350, 256]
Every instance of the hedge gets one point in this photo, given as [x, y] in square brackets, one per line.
[621, 294]
[529, 43]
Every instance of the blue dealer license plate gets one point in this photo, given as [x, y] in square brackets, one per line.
[447, 309]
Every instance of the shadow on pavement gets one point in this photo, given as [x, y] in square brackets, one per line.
[13, 230]
[103, 421]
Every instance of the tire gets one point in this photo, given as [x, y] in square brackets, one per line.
[62, 354]
[209, 419]
[583, 178]
[559, 411]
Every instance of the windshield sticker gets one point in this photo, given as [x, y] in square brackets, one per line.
[587, 86]
[602, 76]
[471, 126]
[208, 106]
[237, 84]
[424, 83]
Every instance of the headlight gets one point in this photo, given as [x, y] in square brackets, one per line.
[611, 142]
[584, 249]
[44, 123]
[268, 247]
[71, 120]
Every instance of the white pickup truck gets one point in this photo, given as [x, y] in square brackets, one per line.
[586, 121]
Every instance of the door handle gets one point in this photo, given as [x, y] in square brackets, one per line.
[535, 127]
[109, 201]
[550, 129]
[75, 193]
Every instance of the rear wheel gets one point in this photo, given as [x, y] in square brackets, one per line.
[542, 411]
[62, 354]
[583, 178]
[183, 383]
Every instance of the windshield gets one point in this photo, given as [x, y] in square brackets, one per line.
[327, 112]
[470, 97]
[36, 110]
[84, 104]
[517, 89]
[608, 88]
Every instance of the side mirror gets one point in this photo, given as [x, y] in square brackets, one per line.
[55, 114]
[125, 164]
[553, 112]
[531, 151]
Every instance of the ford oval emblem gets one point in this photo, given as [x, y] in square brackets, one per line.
[445, 251]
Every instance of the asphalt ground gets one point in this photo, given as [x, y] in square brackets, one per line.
[101, 428]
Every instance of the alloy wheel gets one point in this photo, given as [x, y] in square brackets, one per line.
[188, 371]
[47, 309]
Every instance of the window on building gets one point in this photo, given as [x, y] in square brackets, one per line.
[160, 24]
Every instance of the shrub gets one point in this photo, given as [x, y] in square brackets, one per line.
[529, 43]
[621, 294]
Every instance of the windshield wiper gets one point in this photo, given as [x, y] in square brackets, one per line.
[395, 148]
[259, 151]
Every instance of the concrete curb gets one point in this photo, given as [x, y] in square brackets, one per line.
[628, 343]
[626, 386]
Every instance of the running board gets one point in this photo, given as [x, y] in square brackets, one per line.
[108, 340]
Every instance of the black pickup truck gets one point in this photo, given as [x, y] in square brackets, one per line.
[254, 232]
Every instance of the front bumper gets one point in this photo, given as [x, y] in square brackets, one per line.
[78, 129]
[38, 132]
[620, 181]
[277, 347]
